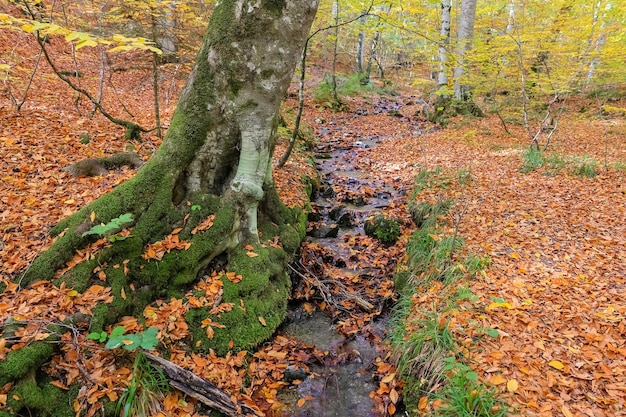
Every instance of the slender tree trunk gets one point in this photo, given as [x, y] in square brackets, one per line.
[372, 56]
[465, 38]
[296, 125]
[444, 44]
[155, 78]
[333, 75]
[511, 25]
[360, 45]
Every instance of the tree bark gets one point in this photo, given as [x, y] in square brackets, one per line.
[444, 43]
[465, 39]
[360, 44]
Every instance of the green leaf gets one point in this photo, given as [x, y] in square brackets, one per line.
[492, 332]
[118, 331]
[132, 341]
[472, 376]
[72, 36]
[100, 337]
[195, 207]
[150, 340]
[85, 42]
[113, 225]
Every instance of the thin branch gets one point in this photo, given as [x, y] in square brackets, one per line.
[326, 292]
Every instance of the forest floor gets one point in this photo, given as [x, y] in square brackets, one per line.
[556, 240]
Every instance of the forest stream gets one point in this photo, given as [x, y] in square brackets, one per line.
[342, 373]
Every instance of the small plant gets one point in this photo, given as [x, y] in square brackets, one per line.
[533, 159]
[420, 354]
[465, 177]
[465, 395]
[144, 340]
[145, 393]
[430, 254]
[585, 167]
[114, 226]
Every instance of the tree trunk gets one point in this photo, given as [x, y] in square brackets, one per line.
[333, 76]
[444, 44]
[465, 38]
[215, 161]
[360, 44]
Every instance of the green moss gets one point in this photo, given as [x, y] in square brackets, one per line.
[263, 290]
[26, 394]
[100, 318]
[385, 230]
[58, 401]
[401, 280]
[19, 362]
[40, 398]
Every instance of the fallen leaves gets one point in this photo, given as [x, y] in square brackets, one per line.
[171, 242]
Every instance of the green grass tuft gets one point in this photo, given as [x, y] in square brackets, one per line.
[464, 395]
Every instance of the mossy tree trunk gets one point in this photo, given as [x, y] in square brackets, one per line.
[215, 160]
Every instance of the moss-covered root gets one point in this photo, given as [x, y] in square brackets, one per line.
[31, 389]
[30, 396]
[19, 363]
[259, 302]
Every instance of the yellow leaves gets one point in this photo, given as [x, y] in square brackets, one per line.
[496, 305]
[497, 379]
[394, 396]
[86, 42]
[556, 365]
[566, 412]
[512, 385]
[388, 378]
[262, 321]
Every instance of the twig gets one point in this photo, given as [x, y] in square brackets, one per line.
[326, 292]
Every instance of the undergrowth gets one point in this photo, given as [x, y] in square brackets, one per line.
[349, 85]
[553, 163]
[433, 365]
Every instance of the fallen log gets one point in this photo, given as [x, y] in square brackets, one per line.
[199, 388]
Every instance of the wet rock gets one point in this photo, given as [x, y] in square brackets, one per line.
[322, 231]
[314, 216]
[327, 191]
[346, 219]
[335, 212]
[358, 200]
[293, 373]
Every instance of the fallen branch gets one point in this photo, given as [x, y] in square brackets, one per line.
[199, 388]
[326, 292]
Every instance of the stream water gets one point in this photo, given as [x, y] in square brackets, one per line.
[339, 382]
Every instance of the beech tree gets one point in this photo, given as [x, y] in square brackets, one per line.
[465, 37]
[444, 42]
[207, 194]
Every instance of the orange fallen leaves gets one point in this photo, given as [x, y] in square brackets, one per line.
[157, 250]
